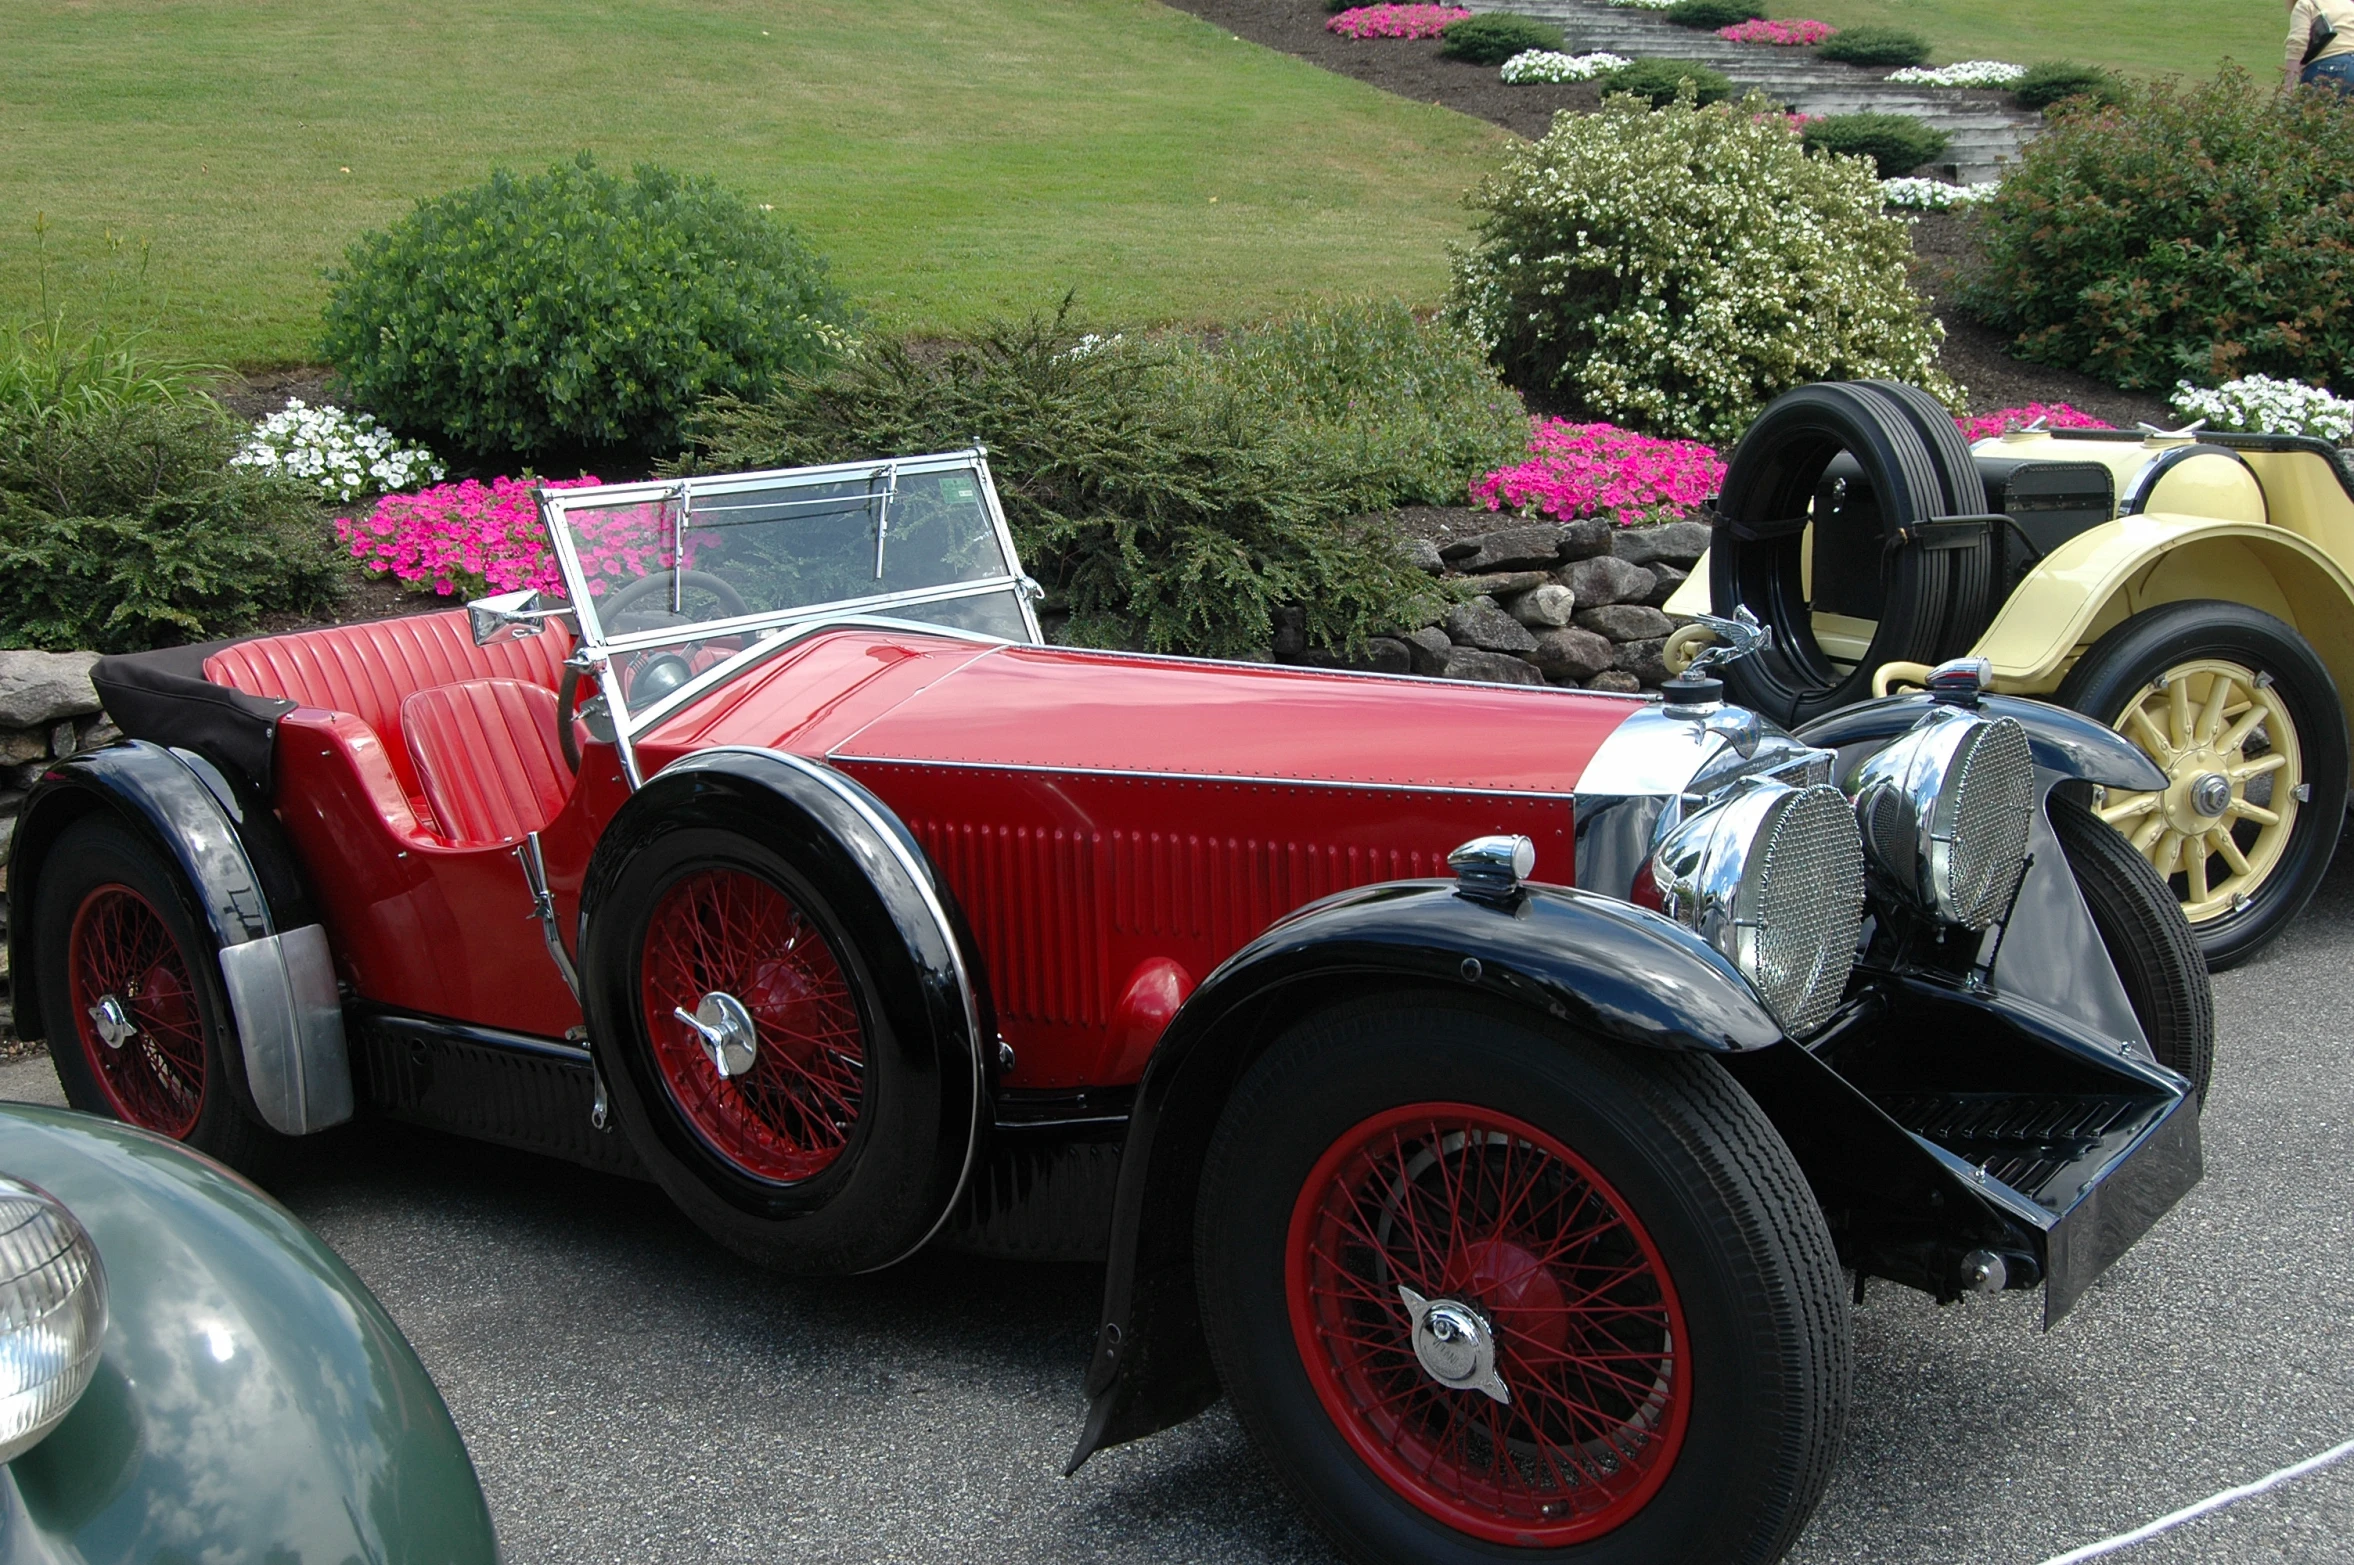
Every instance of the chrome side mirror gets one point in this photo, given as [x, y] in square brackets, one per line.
[517, 614]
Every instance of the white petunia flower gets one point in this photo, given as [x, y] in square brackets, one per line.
[344, 455]
[2261, 404]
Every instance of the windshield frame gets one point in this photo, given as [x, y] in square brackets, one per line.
[769, 632]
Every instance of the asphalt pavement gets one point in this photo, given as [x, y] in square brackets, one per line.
[634, 1394]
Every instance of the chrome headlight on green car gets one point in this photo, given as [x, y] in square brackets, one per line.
[52, 1314]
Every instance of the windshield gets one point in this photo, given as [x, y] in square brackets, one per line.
[919, 538]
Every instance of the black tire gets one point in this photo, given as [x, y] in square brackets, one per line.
[1697, 1168]
[2132, 657]
[1769, 484]
[101, 869]
[2148, 941]
[880, 1187]
[1970, 605]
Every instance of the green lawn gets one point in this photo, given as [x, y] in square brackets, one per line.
[954, 159]
[2145, 37]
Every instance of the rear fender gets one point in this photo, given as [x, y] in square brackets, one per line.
[1603, 967]
[289, 1067]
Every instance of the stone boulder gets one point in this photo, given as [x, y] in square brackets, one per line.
[1528, 547]
[1624, 621]
[1494, 668]
[1607, 579]
[1428, 649]
[1504, 584]
[1481, 624]
[1573, 656]
[1677, 543]
[1543, 608]
[1668, 580]
[1587, 537]
[39, 688]
[1641, 659]
[1423, 555]
[1616, 679]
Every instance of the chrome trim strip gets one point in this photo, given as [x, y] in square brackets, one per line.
[916, 872]
[838, 755]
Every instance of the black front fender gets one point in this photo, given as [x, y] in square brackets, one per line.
[1606, 968]
[2064, 743]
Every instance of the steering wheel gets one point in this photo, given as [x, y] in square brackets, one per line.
[611, 609]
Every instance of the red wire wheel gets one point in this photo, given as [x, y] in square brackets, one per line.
[788, 1117]
[123, 966]
[1475, 1206]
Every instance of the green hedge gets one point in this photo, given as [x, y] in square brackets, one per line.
[1172, 494]
[1659, 82]
[2051, 81]
[574, 309]
[2196, 232]
[1896, 143]
[1709, 15]
[1875, 46]
[1496, 37]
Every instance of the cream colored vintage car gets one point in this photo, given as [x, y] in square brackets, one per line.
[2190, 589]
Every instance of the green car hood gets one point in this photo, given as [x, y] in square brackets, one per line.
[254, 1402]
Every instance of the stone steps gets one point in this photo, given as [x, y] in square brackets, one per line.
[1986, 128]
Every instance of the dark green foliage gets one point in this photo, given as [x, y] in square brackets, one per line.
[1709, 15]
[1875, 46]
[2050, 81]
[126, 527]
[1657, 82]
[1896, 143]
[574, 309]
[1496, 37]
[1173, 495]
[2201, 231]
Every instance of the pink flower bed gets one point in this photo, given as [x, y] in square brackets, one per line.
[1795, 123]
[2055, 415]
[1395, 21]
[1792, 33]
[464, 538]
[1576, 470]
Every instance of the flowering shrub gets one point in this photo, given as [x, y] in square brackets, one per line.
[1395, 21]
[466, 539]
[1675, 270]
[1546, 65]
[1575, 470]
[341, 455]
[1935, 195]
[2197, 231]
[1970, 73]
[2054, 415]
[1797, 33]
[2262, 405]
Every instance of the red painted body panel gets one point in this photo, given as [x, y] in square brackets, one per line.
[1114, 827]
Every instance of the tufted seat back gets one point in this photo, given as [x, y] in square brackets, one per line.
[369, 670]
[485, 755]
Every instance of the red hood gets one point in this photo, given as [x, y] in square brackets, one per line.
[875, 695]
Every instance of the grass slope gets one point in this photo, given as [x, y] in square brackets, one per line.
[953, 160]
[2144, 37]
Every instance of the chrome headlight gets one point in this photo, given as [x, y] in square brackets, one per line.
[52, 1314]
[1944, 813]
[1772, 876]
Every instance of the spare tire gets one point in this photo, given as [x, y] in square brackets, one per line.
[1905, 472]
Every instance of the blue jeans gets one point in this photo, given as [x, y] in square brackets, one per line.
[2337, 71]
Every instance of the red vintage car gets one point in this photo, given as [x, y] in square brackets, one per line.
[1494, 1092]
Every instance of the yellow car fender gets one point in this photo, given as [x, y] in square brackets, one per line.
[2094, 581]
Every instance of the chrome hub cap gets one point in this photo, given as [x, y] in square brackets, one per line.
[113, 1023]
[2211, 794]
[726, 1029]
[1454, 1344]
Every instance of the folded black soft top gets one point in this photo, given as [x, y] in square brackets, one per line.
[163, 696]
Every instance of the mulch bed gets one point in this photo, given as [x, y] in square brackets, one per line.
[1974, 354]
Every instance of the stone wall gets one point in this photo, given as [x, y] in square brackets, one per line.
[1574, 604]
[48, 709]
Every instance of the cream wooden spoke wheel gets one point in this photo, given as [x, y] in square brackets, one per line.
[2245, 724]
[2235, 782]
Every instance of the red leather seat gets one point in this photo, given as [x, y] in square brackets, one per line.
[486, 758]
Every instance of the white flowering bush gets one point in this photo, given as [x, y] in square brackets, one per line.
[2261, 405]
[1672, 271]
[342, 455]
[1969, 73]
[1935, 195]
[1549, 65]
